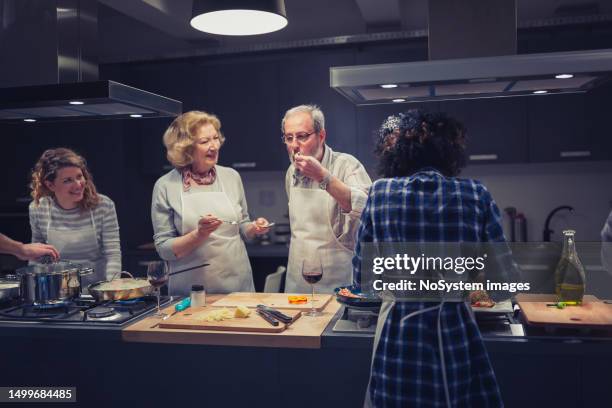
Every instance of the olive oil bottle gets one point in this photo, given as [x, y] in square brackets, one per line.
[569, 275]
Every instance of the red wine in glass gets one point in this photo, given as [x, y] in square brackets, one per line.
[312, 277]
[312, 272]
[158, 282]
[157, 274]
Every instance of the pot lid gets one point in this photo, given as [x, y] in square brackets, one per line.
[57, 267]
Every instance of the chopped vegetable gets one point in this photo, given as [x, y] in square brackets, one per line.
[297, 299]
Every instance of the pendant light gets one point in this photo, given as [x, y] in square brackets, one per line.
[238, 17]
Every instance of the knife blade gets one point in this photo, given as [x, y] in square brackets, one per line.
[276, 313]
[268, 318]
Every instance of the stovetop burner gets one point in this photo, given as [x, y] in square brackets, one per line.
[356, 321]
[83, 311]
[100, 311]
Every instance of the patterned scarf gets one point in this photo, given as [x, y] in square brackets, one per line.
[203, 180]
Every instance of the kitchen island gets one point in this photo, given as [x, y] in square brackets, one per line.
[117, 369]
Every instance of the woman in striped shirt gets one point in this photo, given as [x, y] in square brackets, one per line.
[68, 213]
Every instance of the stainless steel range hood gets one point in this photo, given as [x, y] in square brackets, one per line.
[472, 50]
[472, 78]
[56, 41]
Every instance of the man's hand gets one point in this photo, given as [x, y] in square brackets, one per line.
[29, 252]
[310, 167]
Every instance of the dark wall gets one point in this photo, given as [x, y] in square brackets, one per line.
[250, 94]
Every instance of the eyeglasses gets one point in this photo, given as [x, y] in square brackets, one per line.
[300, 137]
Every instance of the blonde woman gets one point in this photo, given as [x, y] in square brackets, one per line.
[68, 213]
[199, 211]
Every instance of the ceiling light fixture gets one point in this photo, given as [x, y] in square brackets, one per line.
[540, 92]
[135, 115]
[29, 120]
[388, 86]
[398, 100]
[76, 102]
[238, 17]
[564, 76]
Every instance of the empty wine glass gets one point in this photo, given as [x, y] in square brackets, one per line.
[157, 273]
[312, 272]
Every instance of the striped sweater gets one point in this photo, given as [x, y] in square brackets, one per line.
[105, 219]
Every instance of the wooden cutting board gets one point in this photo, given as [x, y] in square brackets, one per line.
[192, 318]
[275, 300]
[592, 313]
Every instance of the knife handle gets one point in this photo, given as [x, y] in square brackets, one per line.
[267, 317]
[182, 305]
[277, 314]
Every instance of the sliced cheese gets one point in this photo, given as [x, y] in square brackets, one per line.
[217, 315]
[242, 311]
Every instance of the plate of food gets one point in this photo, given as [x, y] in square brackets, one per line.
[353, 297]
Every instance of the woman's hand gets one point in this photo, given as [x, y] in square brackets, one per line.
[207, 224]
[260, 226]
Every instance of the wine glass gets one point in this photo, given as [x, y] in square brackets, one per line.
[312, 272]
[157, 273]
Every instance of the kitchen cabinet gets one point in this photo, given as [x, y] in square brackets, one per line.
[598, 103]
[244, 94]
[496, 128]
[558, 129]
[304, 79]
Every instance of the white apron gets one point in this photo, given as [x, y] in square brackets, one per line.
[312, 237]
[229, 269]
[79, 246]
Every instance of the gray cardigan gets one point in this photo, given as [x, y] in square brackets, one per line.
[166, 206]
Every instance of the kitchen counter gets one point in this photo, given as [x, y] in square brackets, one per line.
[254, 370]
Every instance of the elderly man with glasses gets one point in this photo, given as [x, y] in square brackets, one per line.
[327, 191]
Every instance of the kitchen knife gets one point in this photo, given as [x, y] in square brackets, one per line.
[276, 313]
[267, 317]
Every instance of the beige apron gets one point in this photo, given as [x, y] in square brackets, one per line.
[312, 237]
[79, 245]
[229, 269]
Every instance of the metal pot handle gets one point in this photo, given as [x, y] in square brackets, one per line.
[121, 273]
[86, 271]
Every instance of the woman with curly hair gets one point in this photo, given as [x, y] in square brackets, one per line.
[68, 213]
[427, 353]
[199, 211]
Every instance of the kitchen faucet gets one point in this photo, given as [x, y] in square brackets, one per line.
[547, 231]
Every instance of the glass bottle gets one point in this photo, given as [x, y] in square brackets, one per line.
[198, 296]
[569, 275]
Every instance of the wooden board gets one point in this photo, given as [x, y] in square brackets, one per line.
[192, 319]
[591, 314]
[275, 300]
[305, 333]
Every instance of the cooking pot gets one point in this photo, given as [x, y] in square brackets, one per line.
[51, 284]
[9, 288]
[120, 289]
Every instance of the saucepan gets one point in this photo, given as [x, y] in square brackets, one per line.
[9, 288]
[51, 284]
[120, 288]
